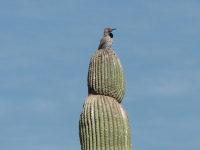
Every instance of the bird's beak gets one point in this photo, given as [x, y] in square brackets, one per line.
[114, 29]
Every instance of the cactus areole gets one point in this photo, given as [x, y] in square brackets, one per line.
[103, 123]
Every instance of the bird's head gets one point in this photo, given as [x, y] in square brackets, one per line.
[108, 30]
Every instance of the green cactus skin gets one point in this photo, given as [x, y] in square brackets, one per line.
[104, 125]
[105, 75]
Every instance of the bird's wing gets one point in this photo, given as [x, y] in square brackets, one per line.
[102, 42]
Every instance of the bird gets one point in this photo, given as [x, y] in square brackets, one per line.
[107, 39]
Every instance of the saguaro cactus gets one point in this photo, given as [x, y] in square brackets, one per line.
[105, 74]
[103, 123]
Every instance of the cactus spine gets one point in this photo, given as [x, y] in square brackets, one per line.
[103, 123]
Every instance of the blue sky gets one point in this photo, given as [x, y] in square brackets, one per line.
[45, 49]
